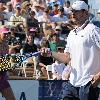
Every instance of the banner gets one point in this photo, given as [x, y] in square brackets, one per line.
[36, 89]
[24, 89]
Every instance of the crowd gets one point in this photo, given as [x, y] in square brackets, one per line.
[28, 27]
[33, 26]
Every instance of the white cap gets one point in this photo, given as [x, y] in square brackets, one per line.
[79, 5]
[98, 11]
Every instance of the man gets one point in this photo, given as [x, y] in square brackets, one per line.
[83, 52]
[3, 15]
[98, 15]
[37, 9]
[5, 88]
[67, 7]
[14, 41]
[17, 19]
[60, 17]
[9, 11]
[97, 19]
[14, 2]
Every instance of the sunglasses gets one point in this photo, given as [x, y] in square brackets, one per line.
[58, 30]
[18, 8]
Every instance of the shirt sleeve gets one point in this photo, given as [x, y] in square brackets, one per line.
[95, 36]
[53, 68]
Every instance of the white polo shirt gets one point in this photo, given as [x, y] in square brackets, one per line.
[84, 48]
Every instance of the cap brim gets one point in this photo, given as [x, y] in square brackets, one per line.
[6, 32]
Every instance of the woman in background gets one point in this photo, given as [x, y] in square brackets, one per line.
[5, 88]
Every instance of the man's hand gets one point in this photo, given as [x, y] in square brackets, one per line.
[96, 80]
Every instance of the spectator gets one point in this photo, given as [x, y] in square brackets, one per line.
[29, 46]
[2, 13]
[45, 19]
[98, 15]
[60, 17]
[9, 10]
[37, 37]
[56, 42]
[14, 42]
[53, 2]
[1, 19]
[14, 2]
[32, 22]
[58, 67]
[5, 88]
[55, 9]
[16, 19]
[37, 9]
[26, 9]
[44, 59]
[67, 7]
[50, 11]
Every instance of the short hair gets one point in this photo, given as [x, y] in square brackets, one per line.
[44, 43]
[68, 2]
[61, 9]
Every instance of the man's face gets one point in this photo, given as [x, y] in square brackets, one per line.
[78, 16]
[10, 7]
[18, 10]
[1, 6]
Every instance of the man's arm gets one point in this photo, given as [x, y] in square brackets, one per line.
[62, 57]
[96, 80]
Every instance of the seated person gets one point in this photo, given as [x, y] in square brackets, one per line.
[29, 46]
[15, 42]
[17, 19]
[44, 59]
[58, 67]
[32, 22]
[56, 42]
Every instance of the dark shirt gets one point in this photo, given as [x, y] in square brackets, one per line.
[29, 48]
[96, 23]
[45, 60]
[32, 23]
[14, 41]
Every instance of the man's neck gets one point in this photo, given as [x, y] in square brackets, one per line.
[83, 24]
[79, 24]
